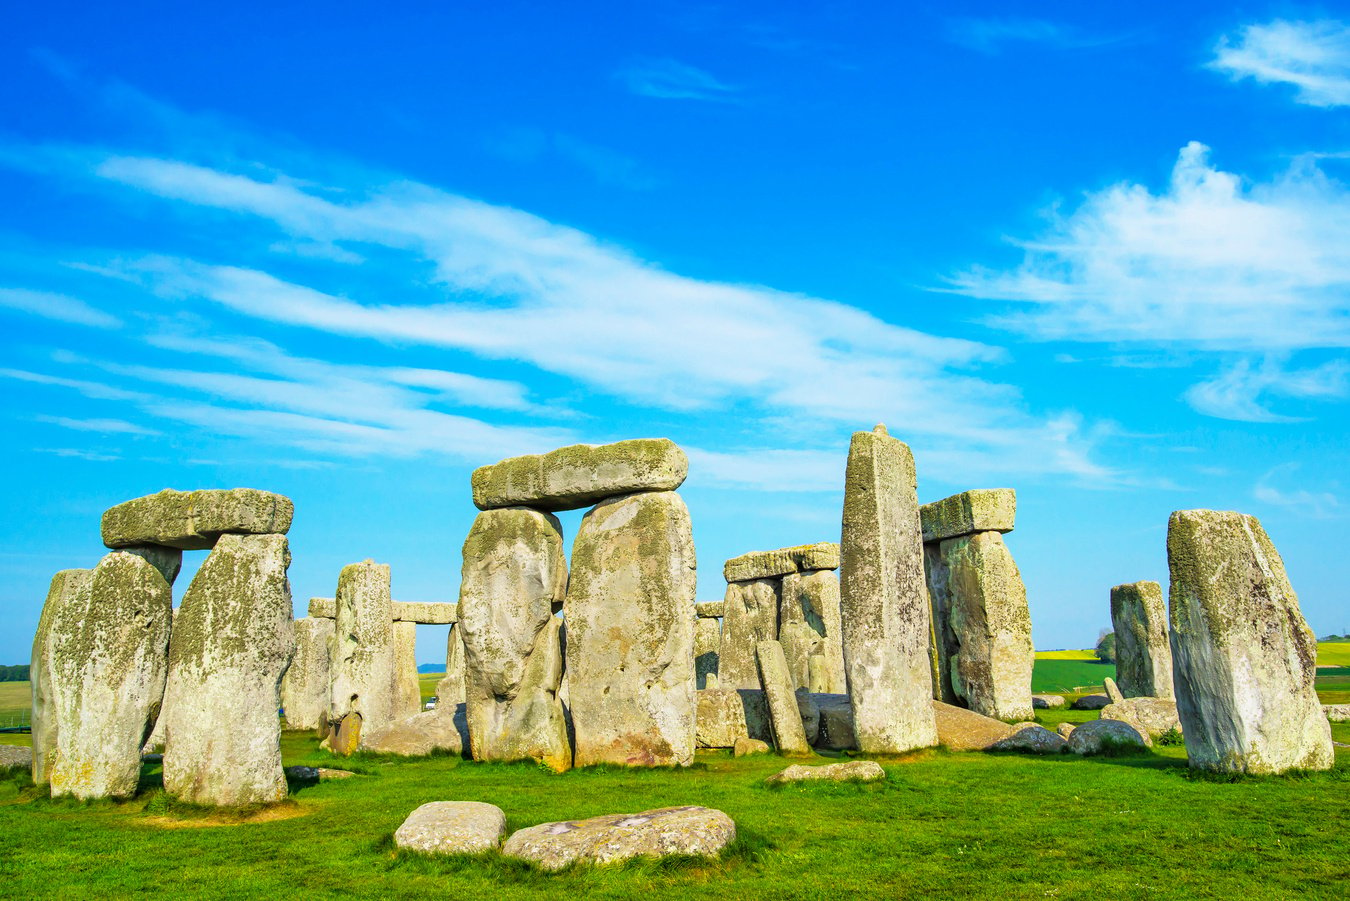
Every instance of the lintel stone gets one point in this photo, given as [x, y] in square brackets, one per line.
[580, 475]
[978, 510]
[195, 520]
[782, 562]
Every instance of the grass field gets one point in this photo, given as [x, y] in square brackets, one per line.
[1333, 653]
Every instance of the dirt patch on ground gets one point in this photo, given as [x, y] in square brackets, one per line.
[216, 820]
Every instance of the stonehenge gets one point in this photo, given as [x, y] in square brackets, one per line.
[361, 693]
[1143, 654]
[304, 690]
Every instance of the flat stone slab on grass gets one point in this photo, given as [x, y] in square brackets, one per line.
[782, 562]
[1032, 739]
[315, 774]
[570, 478]
[699, 831]
[851, 771]
[960, 729]
[195, 520]
[15, 757]
[979, 510]
[1047, 702]
[452, 827]
[1095, 736]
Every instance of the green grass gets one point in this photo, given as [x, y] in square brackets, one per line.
[942, 825]
[1058, 676]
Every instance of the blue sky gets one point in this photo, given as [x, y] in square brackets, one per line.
[1096, 254]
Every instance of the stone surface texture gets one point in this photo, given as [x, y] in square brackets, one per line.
[978, 510]
[69, 587]
[417, 736]
[305, 688]
[750, 615]
[363, 655]
[428, 613]
[108, 646]
[325, 608]
[452, 827]
[13, 757]
[407, 687]
[194, 520]
[167, 560]
[514, 573]
[697, 831]
[1095, 736]
[707, 646]
[630, 632]
[1143, 653]
[850, 771]
[1336, 713]
[1090, 702]
[1030, 738]
[809, 626]
[960, 729]
[744, 747]
[770, 564]
[886, 616]
[570, 478]
[709, 608]
[232, 641]
[726, 714]
[1244, 659]
[942, 644]
[450, 689]
[784, 713]
[1047, 702]
[1151, 717]
[835, 732]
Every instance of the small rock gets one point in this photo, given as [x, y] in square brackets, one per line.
[1033, 739]
[152, 758]
[15, 757]
[746, 746]
[452, 827]
[1064, 729]
[1090, 702]
[1112, 691]
[614, 837]
[1151, 717]
[851, 771]
[1047, 702]
[1337, 713]
[1092, 737]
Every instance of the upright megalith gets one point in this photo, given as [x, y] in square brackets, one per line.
[1143, 652]
[750, 615]
[1244, 659]
[69, 587]
[809, 626]
[630, 632]
[362, 691]
[305, 688]
[232, 642]
[570, 478]
[108, 648]
[784, 712]
[514, 573]
[406, 690]
[707, 647]
[450, 690]
[195, 520]
[886, 617]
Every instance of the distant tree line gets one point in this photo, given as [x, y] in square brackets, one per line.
[1106, 648]
[14, 673]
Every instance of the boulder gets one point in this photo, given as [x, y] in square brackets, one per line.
[1143, 653]
[698, 831]
[850, 771]
[313, 774]
[1096, 736]
[69, 587]
[750, 615]
[1151, 717]
[836, 722]
[450, 690]
[305, 687]
[1031, 739]
[784, 714]
[108, 647]
[1047, 702]
[452, 827]
[232, 641]
[1064, 730]
[630, 632]
[770, 564]
[417, 736]
[364, 673]
[13, 757]
[726, 714]
[406, 690]
[1244, 659]
[885, 611]
[195, 520]
[574, 477]
[746, 746]
[1090, 702]
[707, 644]
[808, 626]
[978, 510]
[959, 729]
[1336, 713]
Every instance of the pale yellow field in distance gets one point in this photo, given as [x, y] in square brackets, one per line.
[1329, 653]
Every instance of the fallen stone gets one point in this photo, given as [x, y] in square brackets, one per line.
[851, 771]
[746, 746]
[580, 475]
[712, 609]
[452, 827]
[1143, 652]
[1064, 729]
[959, 729]
[1095, 736]
[784, 714]
[427, 613]
[726, 714]
[836, 722]
[698, 831]
[885, 610]
[1112, 690]
[1151, 717]
[707, 645]
[1244, 659]
[232, 641]
[68, 587]
[630, 632]
[978, 510]
[108, 649]
[363, 667]
[1032, 739]
[1047, 702]
[1337, 713]
[195, 520]
[305, 687]
[750, 615]
[316, 774]
[770, 564]
[1090, 702]
[13, 757]
[809, 626]
[417, 736]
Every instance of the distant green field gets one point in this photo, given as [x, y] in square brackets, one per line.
[1069, 676]
[15, 700]
[1083, 654]
[1333, 653]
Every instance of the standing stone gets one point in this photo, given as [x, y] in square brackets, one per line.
[108, 647]
[514, 572]
[886, 619]
[630, 632]
[450, 690]
[785, 714]
[407, 686]
[991, 671]
[707, 646]
[70, 587]
[363, 656]
[167, 560]
[1243, 657]
[1143, 654]
[808, 625]
[942, 643]
[749, 616]
[305, 688]
[232, 641]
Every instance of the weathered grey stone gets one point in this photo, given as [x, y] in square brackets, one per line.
[770, 564]
[407, 686]
[305, 687]
[167, 560]
[707, 644]
[850, 771]
[363, 656]
[809, 626]
[886, 617]
[450, 690]
[194, 520]
[1064, 730]
[452, 827]
[1336, 713]
[746, 746]
[417, 736]
[13, 757]
[1244, 659]
[711, 609]
[1090, 702]
[428, 613]
[630, 632]
[1047, 702]
[1030, 738]
[750, 615]
[836, 722]
[726, 714]
[570, 478]
[325, 608]
[978, 510]
[108, 657]
[514, 572]
[1151, 717]
[784, 713]
[1143, 653]
[232, 641]
[696, 831]
[942, 644]
[960, 729]
[1095, 736]
[155, 742]
[69, 587]
[313, 774]
[989, 616]
[1112, 690]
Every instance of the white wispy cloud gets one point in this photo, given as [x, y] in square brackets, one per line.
[1313, 57]
[1315, 504]
[56, 306]
[1238, 391]
[670, 79]
[103, 426]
